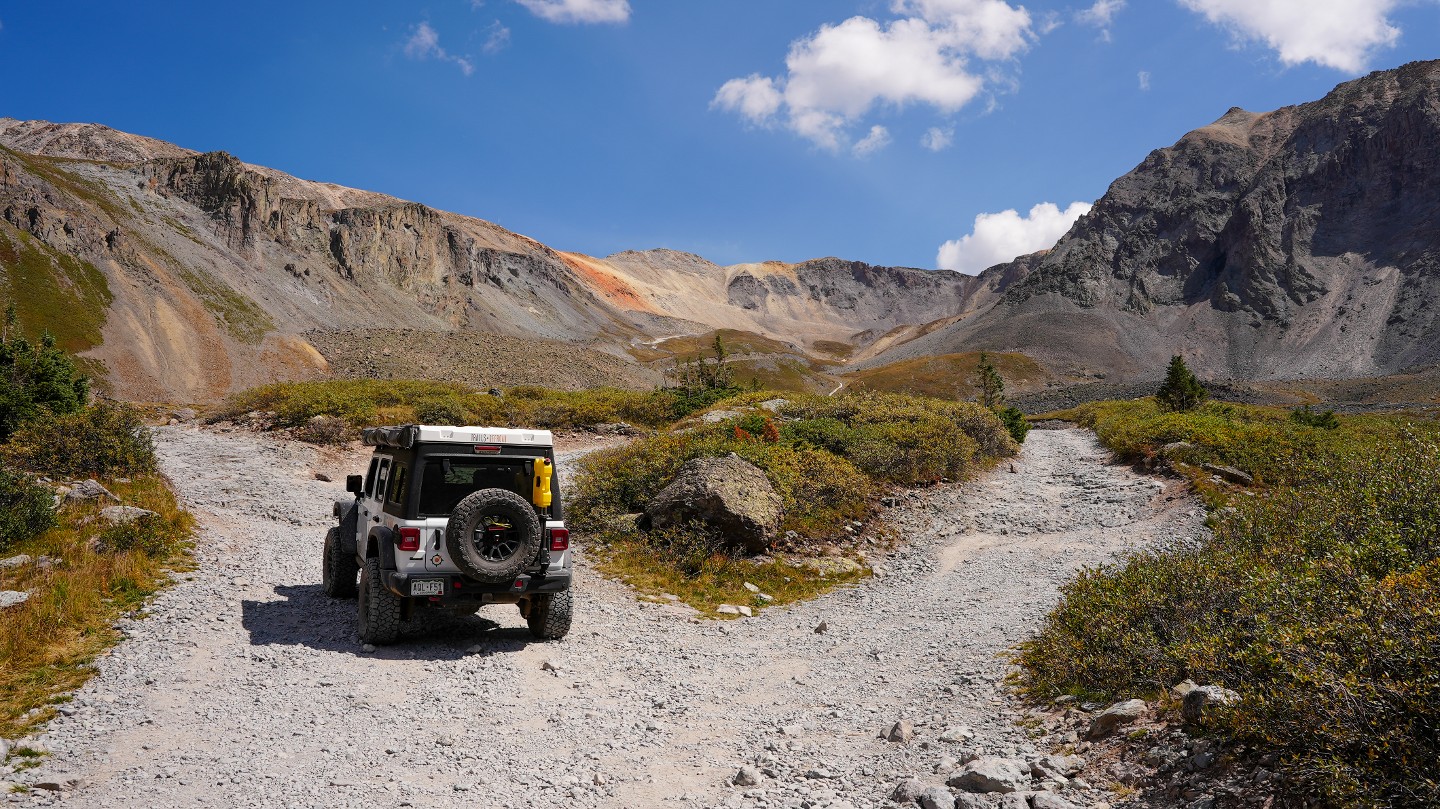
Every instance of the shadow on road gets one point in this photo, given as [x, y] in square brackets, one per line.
[307, 617]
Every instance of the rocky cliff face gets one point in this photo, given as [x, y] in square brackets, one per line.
[1291, 243]
[219, 269]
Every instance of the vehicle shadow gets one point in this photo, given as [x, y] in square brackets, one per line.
[307, 617]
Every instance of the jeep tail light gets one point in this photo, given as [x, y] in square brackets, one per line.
[409, 539]
[486, 449]
[559, 539]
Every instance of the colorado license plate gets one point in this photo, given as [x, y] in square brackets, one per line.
[427, 587]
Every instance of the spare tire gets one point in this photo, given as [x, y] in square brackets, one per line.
[493, 535]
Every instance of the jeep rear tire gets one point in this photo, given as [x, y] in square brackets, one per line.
[339, 569]
[379, 608]
[549, 616]
[493, 535]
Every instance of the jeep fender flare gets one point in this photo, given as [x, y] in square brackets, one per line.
[381, 543]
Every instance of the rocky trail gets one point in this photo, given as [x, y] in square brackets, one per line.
[245, 686]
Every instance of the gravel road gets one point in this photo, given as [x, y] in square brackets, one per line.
[246, 686]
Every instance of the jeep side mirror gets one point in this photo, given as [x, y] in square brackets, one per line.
[354, 484]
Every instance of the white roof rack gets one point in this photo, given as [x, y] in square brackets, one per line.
[406, 436]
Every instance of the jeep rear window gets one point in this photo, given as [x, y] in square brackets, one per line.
[446, 481]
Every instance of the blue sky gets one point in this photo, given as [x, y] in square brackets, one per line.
[742, 130]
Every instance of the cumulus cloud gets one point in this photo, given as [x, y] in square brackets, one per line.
[579, 11]
[1144, 77]
[1340, 34]
[1101, 15]
[1000, 237]
[936, 139]
[839, 74]
[878, 139]
[424, 43]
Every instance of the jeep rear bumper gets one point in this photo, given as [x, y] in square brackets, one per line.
[461, 588]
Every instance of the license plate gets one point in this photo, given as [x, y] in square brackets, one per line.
[427, 587]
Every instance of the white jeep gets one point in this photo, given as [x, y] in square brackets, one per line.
[452, 518]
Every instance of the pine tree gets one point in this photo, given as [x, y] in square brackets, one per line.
[1180, 391]
[988, 380]
[36, 381]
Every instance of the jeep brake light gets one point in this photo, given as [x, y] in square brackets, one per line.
[559, 539]
[409, 539]
[486, 449]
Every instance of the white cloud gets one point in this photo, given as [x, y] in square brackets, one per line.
[878, 139]
[497, 38]
[754, 97]
[936, 139]
[1101, 15]
[579, 11]
[842, 72]
[1341, 34]
[424, 43]
[1144, 77]
[1000, 237]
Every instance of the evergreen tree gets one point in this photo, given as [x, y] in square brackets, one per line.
[1180, 391]
[988, 380]
[35, 380]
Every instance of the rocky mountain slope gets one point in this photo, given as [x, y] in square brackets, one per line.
[1300, 242]
[185, 276]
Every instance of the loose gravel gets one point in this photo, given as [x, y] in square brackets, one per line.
[245, 686]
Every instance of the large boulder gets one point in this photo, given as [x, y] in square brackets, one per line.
[729, 494]
[1110, 720]
[991, 774]
[1204, 699]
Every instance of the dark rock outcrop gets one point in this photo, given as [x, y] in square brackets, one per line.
[1299, 242]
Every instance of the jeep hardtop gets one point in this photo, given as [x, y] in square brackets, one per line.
[452, 518]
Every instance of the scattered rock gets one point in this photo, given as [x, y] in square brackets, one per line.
[11, 598]
[367, 648]
[550, 667]
[908, 791]
[727, 609]
[901, 732]
[88, 490]
[14, 561]
[773, 405]
[729, 494]
[958, 733]
[1180, 689]
[1121, 713]
[1049, 800]
[936, 798]
[1066, 766]
[717, 416]
[821, 628]
[751, 587]
[322, 477]
[1229, 473]
[1203, 698]
[746, 777]
[746, 611]
[123, 515]
[992, 774]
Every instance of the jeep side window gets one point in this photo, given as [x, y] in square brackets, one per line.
[382, 477]
[370, 477]
[398, 485]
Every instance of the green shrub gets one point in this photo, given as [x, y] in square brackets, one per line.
[26, 508]
[151, 534]
[1014, 422]
[36, 381]
[103, 440]
[1310, 418]
[1316, 600]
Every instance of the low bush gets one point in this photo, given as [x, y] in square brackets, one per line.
[1014, 422]
[367, 403]
[104, 440]
[1315, 599]
[328, 430]
[26, 508]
